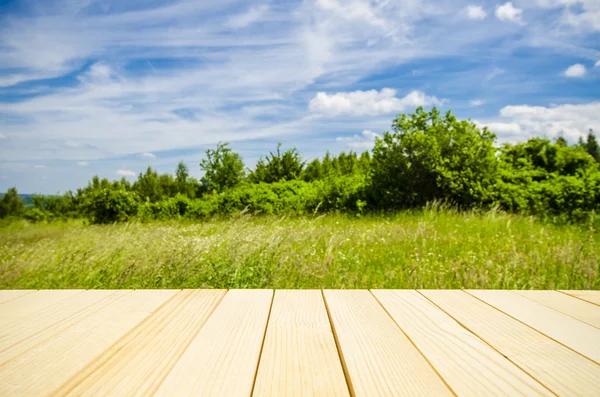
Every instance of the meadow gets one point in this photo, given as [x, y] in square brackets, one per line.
[428, 248]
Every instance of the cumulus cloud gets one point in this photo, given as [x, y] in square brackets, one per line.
[82, 163]
[368, 103]
[475, 12]
[524, 121]
[577, 70]
[366, 140]
[148, 155]
[507, 12]
[125, 173]
[477, 102]
[252, 15]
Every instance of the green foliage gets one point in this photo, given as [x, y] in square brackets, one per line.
[278, 166]
[592, 147]
[111, 205]
[223, 169]
[11, 204]
[548, 179]
[430, 158]
[427, 158]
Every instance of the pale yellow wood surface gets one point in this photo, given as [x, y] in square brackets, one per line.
[590, 296]
[569, 305]
[10, 294]
[138, 363]
[468, 365]
[50, 364]
[380, 360]
[573, 333]
[562, 370]
[29, 304]
[222, 360]
[299, 357]
[27, 333]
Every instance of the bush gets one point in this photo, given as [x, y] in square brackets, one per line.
[433, 158]
[111, 205]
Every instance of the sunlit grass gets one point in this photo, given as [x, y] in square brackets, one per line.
[429, 249]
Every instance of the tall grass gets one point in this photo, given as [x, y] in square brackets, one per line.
[433, 248]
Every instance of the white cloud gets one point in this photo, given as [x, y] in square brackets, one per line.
[502, 129]
[3, 137]
[252, 15]
[82, 163]
[366, 140]
[507, 12]
[125, 173]
[148, 155]
[475, 12]
[577, 70]
[368, 103]
[476, 102]
[597, 64]
[569, 119]
[494, 73]
[39, 166]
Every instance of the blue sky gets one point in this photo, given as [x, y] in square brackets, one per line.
[109, 87]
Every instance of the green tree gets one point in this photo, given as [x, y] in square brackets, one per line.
[278, 166]
[432, 157]
[313, 171]
[223, 169]
[592, 147]
[11, 204]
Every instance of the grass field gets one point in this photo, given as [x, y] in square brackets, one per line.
[429, 249]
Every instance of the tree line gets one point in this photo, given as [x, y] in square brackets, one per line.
[426, 157]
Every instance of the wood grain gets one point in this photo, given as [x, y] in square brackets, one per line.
[27, 305]
[299, 356]
[379, 359]
[573, 333]
[589, 296]
[569, 305]
[467, 364]
[11, 294]
[560, 369]
[138, 363]
[20, 336]
[222, 360]
[50, 364]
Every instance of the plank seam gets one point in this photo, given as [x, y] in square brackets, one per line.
[576, 297]
[536, 330]
[413, 343]
[486, 342]
[262, 345]
[339, 348]
[556, 310]
[93, 365]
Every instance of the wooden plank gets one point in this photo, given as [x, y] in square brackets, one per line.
[573, 333]
[378, 358]
[562, 370]
[47, 366]
[222, 360]
[20, 336]
[138, 363]
[29, 304]
[589, 296]
[299, 356]
[11, 294]
[467, 364]
[569, 305]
